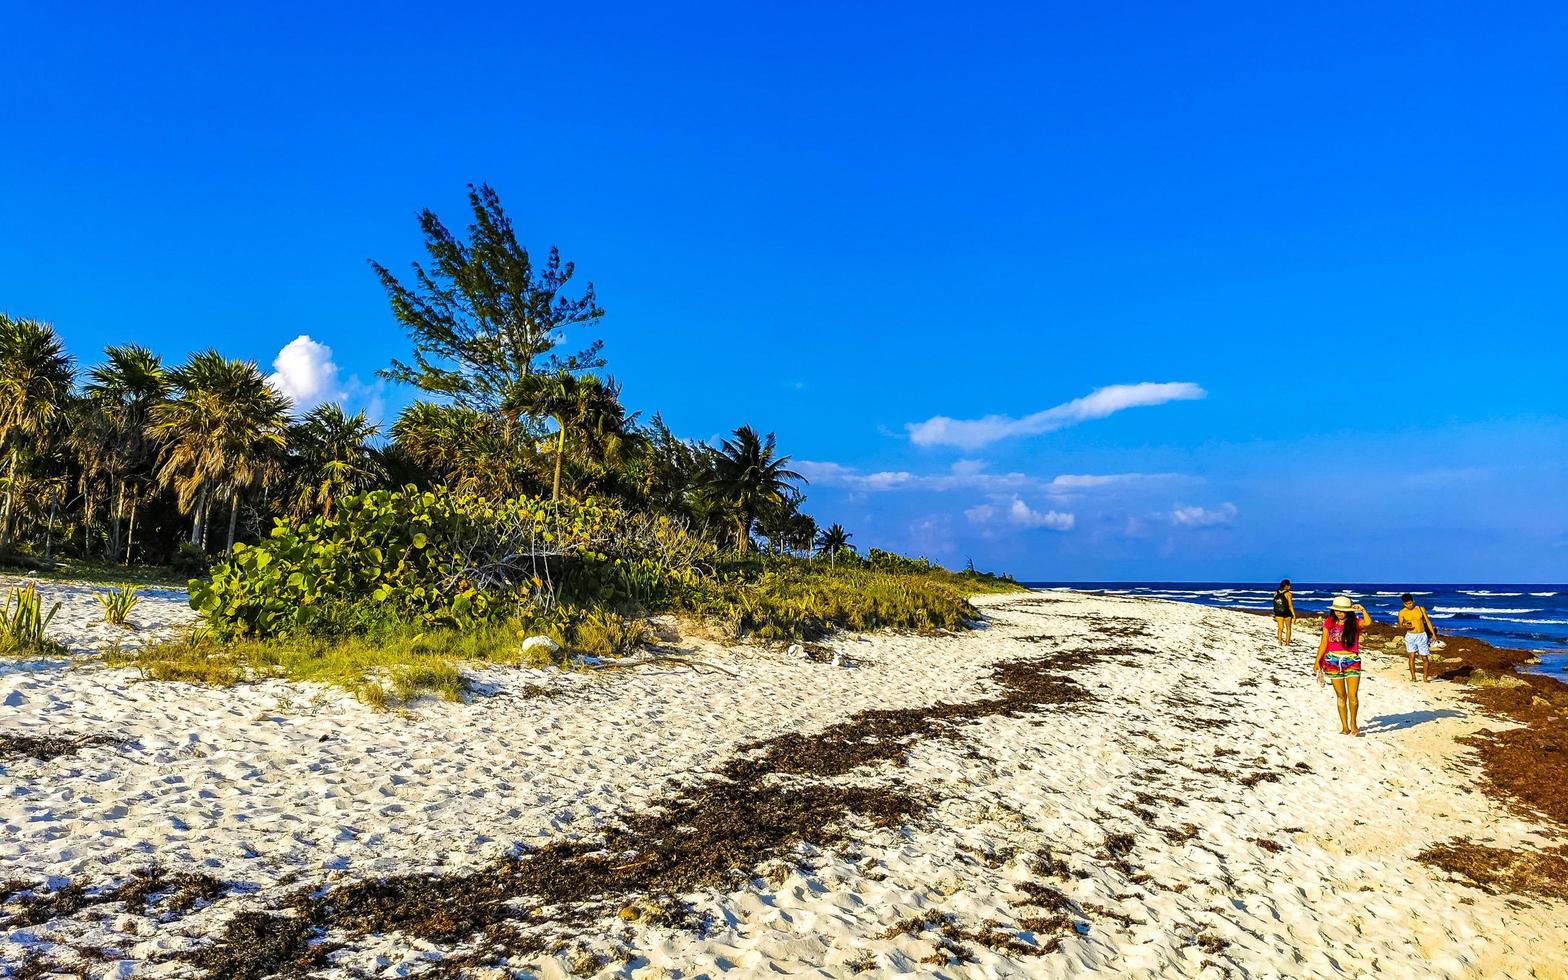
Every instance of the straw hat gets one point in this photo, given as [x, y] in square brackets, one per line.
[1342, 603]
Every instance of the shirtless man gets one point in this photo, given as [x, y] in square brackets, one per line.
[1418, 633]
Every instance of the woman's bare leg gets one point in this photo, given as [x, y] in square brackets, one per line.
[1288, 624]
[1339, 700]
[1352, 685]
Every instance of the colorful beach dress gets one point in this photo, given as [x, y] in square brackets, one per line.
[1340, 661]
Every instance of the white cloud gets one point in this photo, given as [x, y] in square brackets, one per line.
[1023, 515]
[1015, 511]
[1184, 516]
[305, 374]
[1078, 482]
[975, 433]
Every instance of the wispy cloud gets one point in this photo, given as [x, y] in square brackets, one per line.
[1019, 513]
[966, 474]
[975, 433]
[1185, 516]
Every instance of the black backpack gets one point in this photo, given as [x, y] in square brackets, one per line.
[1281, 605]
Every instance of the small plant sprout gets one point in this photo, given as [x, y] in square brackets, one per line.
[117, 604]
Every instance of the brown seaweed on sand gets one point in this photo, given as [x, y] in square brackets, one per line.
[762, 805]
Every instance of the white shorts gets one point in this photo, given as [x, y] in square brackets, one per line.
[1418, 643]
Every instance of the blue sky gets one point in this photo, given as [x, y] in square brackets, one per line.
[1343, 226]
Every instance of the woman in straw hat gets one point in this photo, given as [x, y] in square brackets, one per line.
[1339, 657]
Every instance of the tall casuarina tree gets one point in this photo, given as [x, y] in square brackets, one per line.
[483, 315]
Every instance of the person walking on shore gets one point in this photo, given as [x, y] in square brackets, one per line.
[1419, 634]
[1339, 657]
[1284, 612]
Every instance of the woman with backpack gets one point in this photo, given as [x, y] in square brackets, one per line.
[1339, 657]
[1284, 612]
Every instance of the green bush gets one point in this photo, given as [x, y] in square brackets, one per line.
[437, 558]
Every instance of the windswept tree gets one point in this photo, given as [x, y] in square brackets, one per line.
[833, 540]
[222, 434]
[482, 315]
[114, 437]
[331, 456]
[35, 383]
[748, 477]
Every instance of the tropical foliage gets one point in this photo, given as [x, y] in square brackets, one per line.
[517, 494]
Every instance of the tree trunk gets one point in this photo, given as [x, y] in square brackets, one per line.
[112, 548]
[234, 514]
[54, 509]
[560, 451]
[130, 532]
[10, 493]
[199, 526]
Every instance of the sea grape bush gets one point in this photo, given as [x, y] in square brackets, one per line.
[439, 558]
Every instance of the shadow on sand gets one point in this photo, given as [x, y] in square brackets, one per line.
[1409, 719]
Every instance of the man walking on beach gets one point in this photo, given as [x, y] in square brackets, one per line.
[1419, 634]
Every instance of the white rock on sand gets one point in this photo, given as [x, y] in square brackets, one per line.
[1259, 840]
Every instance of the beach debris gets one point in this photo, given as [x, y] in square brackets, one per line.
[46, 747]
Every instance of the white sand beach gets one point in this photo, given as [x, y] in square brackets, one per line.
[1193, 812]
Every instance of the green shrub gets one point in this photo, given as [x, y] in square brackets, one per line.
[118, 603]
[23, 624]
[442, 559]
[804, 600]
[434, 558]
[602, 633]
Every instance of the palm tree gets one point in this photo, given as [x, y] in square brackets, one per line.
[802, 533]
[571, 401]
[749, 476]
[463, 448]
[222, 434]
[120, 395]
[35, 381]
[834, 540]
[609, 435]
[332, 457]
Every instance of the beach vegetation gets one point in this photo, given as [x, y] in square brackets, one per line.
[118, 603]
[24, 624]
[518, 496]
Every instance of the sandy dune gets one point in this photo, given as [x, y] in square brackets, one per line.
[1190, 811]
